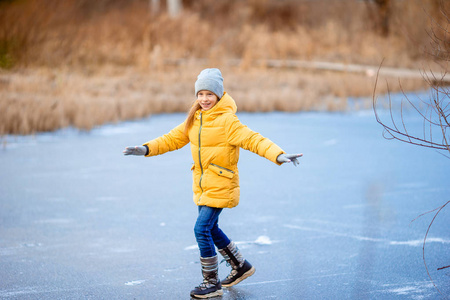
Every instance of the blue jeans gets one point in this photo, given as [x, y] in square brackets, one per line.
[207, 231]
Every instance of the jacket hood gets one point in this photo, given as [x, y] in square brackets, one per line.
[226, 104]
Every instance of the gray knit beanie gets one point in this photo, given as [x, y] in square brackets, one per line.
[210, 80]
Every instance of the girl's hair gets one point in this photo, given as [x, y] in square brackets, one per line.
[191, 116]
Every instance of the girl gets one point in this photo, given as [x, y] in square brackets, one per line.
[215, 134]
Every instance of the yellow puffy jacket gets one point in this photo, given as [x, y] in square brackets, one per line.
[216, 136]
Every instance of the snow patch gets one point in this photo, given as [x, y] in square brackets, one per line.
[404, 290]
[134, 282]
[192, 247]
[415, 291]
[413, 243]
[263, 240]
[31, 245]
[416, 243]
[334, 233]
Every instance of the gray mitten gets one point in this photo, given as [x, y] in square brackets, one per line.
[287, 158]
[135, 150]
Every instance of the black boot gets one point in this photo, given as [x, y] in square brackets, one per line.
[240, 268]
[210, 287]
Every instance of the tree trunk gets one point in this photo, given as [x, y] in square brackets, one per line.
[174, 7]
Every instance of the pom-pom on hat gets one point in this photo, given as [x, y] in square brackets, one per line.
[210, 80]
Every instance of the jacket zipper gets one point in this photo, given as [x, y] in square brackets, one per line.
[228, 170]
[199, 156]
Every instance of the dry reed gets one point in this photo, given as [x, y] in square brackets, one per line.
[84, 63]
[48, 99]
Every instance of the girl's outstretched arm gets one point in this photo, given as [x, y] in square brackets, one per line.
[171, 141]
[240, 135]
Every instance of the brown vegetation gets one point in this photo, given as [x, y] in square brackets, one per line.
[83, 63]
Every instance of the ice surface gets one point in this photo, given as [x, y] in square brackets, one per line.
[78, 220]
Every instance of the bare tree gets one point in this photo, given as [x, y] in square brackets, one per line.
[434, 110]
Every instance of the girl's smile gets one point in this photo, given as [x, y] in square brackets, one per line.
[207, 99]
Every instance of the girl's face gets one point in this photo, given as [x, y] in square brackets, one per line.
[207, 99]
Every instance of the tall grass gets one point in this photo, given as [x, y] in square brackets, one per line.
[83, 63]
[42, 99]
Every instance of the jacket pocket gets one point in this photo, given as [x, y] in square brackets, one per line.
[221, 171]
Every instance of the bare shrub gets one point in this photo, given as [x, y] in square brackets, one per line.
[433, 109]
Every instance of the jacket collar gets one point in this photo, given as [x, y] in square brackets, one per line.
[226, 104]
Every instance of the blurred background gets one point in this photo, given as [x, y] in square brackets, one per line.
[85, 63]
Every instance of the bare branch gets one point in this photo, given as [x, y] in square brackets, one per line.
[435, 115]
[424, 242]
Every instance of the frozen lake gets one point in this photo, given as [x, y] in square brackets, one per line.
[78, 220]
